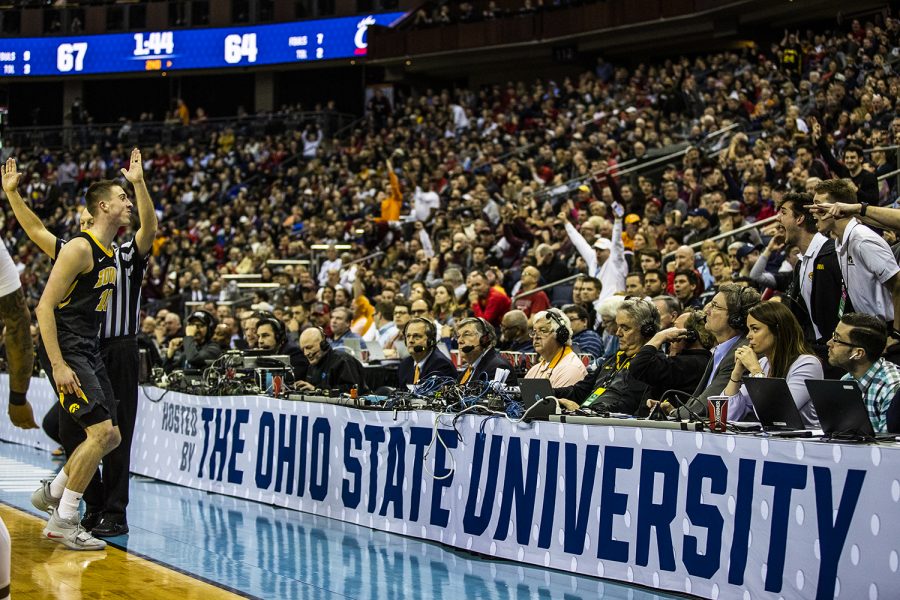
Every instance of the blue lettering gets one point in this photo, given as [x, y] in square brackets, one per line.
[548, 510]
[657, 516]
[241, 418]
[220, 445]
[519, 491]
[473, 523]
[352, 440]
[304, 452]
[443, 477]
[419, 438]
[740, 541]
[612, 503]
[374, 435]
[578, 506]
[704, 466]
[287, 453]
[785, 478]
[832, 536]
[206, 415]
[318, 473]
[396, 471]
[265, 450]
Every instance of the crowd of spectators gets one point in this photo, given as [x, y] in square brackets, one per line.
[444, 12]
[467, 198]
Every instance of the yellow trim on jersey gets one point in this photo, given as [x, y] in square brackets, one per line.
[68, 297]
[109, 253]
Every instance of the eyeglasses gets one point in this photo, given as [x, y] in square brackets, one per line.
[716, 306]
[834, 338]
[466, 334]
[541, 332]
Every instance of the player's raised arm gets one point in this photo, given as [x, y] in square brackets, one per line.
[29, 221]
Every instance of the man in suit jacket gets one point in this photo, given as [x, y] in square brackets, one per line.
[424, 358]
[726, 320]
[477, 339]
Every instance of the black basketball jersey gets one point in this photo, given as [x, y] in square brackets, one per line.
[86, 301]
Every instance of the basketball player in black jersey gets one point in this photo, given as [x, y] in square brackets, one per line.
[73, 303]
[106, 497]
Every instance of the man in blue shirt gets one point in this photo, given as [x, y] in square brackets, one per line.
[586, 339]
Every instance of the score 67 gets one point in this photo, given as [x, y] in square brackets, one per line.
[71, 56]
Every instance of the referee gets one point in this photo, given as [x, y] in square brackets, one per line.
[107, 497]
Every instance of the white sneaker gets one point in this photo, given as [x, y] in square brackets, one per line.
[71, 534]
[42, 499]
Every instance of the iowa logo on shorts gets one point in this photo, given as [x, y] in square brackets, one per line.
[74, 407]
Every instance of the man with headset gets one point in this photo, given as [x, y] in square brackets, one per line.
[612, 387]
[552, 338]
[424, 358]
[726, 320]
[271, 336]
[477, 338]
[328, 368]
[197, 346]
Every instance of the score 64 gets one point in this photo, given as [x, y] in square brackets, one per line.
[239, 46]
[70, 56]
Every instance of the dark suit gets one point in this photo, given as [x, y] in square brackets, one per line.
[437, 363]
[719, 382]
[337, 370]
[487, 368]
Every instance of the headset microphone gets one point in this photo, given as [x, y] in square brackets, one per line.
[419, 349]
[467, 349]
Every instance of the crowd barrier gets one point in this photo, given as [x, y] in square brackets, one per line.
[713, 515]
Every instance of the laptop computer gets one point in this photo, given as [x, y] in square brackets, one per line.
[376, 352]
[773, 403]
[841, 409]
[537, 391]
[267, 361]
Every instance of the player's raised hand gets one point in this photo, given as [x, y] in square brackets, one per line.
[11, 175]
[135, 171]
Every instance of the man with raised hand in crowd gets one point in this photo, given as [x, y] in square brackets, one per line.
[606, 259]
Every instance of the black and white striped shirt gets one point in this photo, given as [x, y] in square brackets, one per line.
[123, 315]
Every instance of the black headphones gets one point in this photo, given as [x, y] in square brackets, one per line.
[323, 344]
[430, 330]
[487, 331]
[649, 328]
[562, 332]
[738, 319]
[277, 327]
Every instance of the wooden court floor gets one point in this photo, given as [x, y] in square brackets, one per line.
[44, 570]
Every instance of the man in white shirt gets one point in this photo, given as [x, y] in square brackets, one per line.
[425, 200]
[865, 258]
[606, 260]
[331, 263]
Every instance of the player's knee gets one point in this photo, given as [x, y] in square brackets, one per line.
[113, 439]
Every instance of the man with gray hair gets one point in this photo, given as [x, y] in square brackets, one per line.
[552, 339]
[612, 388]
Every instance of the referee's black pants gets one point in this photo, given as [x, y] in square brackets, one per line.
[108, 493]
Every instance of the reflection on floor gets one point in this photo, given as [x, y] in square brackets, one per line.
[266, 552]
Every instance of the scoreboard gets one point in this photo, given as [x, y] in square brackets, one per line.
[215, 48]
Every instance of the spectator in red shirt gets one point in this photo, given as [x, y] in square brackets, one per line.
[532, 303]
[487, 302]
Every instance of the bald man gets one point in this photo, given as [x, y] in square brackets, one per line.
[329, 369]
[535, 302]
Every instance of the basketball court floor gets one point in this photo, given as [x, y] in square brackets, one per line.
[185, 544]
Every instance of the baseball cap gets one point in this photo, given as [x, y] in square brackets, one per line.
[745, 250]
[632, 218]
[699, 212]
[732, 206]
[603, 244]
[319, 308]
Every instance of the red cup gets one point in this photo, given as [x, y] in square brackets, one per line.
[718, 412]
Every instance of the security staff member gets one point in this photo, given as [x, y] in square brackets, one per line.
[328, 368]
[271, 335]
[424, 359]
[477, 338]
